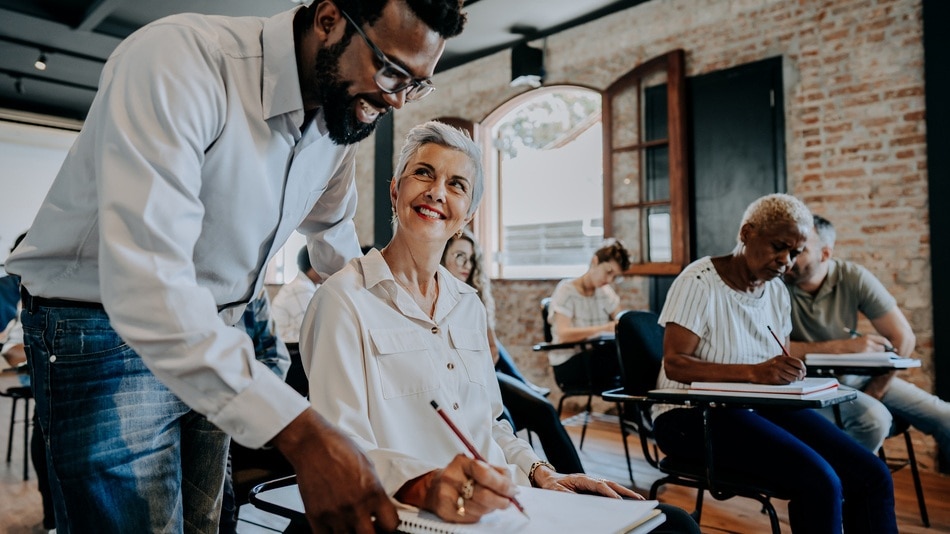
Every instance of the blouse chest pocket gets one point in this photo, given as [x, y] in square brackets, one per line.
[403, 362]
[472, 348]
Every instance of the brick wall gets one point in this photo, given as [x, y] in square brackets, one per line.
[854, 115]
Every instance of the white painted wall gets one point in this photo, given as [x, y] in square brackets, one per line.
[30, 157]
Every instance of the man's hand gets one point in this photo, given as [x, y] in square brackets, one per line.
[340, 490]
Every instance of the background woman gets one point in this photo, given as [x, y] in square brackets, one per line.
[717, 316]
[525, 403]
[583, 307]
[393, 331]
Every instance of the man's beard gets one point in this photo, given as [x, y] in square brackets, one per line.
[332, 93]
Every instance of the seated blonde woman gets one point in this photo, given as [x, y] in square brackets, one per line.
[394, 330]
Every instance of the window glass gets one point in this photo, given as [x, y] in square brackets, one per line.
[546, 169]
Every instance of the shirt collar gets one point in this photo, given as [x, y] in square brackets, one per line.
[376, 272]
[281, 84]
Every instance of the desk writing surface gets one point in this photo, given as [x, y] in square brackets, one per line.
[551, 512]
[885, 360]
[684, 396]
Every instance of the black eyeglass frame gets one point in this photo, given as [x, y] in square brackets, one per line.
[418, 88]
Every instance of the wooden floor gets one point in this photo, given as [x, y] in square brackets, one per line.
[21, 510]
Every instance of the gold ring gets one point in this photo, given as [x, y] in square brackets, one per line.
[460, 506]
[468, 489]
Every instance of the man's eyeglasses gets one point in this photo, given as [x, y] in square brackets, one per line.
[462, 259]
[391, 78]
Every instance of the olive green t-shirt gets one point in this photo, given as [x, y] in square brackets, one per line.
[829, 314]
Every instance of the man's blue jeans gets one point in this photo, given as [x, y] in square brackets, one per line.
[125, 454]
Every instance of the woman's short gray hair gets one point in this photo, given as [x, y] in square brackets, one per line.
[772, 210]
[450, 137]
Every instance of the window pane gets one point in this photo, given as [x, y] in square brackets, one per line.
[654, 113]
[550, 197]
[625, 104]
[658, 234]
[626, 178]
[627, 229]
[657, 173]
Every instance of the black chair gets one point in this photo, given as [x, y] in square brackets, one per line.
[584, 386]
[18, 393]
[901, 427]
[640, 348]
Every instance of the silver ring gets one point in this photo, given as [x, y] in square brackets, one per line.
[468, 489]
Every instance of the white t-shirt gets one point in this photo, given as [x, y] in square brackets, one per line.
[733, 327]
[581, 310]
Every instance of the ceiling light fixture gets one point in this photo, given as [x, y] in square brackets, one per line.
[40, 63]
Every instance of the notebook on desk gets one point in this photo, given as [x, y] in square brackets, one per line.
[862, 359]
[550, 511]
[800, 389]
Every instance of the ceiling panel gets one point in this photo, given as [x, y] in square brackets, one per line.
[78, 36]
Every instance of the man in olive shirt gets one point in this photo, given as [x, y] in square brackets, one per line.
[827, 294]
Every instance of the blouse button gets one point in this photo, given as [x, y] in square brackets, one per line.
[455, 406]
[52, 358]
[435, 329]
[451, 366]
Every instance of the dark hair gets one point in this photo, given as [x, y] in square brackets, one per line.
[17, 241]
[825, 230]
[613, 250]
[303, 259]
[443, 16]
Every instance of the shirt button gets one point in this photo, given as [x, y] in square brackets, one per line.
[52, 358]
[451, 366]
[455, 406]
[435, 329]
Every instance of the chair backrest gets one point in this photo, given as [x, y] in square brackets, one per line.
[640, 349]
[545, 324]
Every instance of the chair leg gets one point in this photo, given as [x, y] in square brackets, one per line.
[773, 517]
[586, 419]
[10, 436]
[912, 458]
[26, 439]
[626, 449]
[698, 511]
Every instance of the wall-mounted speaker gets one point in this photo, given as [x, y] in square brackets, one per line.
[527, 65]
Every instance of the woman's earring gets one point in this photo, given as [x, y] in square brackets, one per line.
[458, 235]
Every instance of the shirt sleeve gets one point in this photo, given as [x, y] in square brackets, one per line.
[330, 230]
[560, 300]
[155, 128]
[687, 303]
[873, 298]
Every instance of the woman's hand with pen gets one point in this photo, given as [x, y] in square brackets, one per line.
[780, 370]
[462, 492]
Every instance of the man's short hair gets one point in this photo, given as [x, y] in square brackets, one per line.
[444, 16]
[826, 231]
[303, 259]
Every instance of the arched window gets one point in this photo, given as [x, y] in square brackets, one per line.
[544, 183]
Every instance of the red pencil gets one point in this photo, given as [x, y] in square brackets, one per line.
[780, 344]
[471, 448]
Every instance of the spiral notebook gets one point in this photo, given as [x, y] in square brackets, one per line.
[550, 511]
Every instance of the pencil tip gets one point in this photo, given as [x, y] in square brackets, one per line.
[434, 404]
